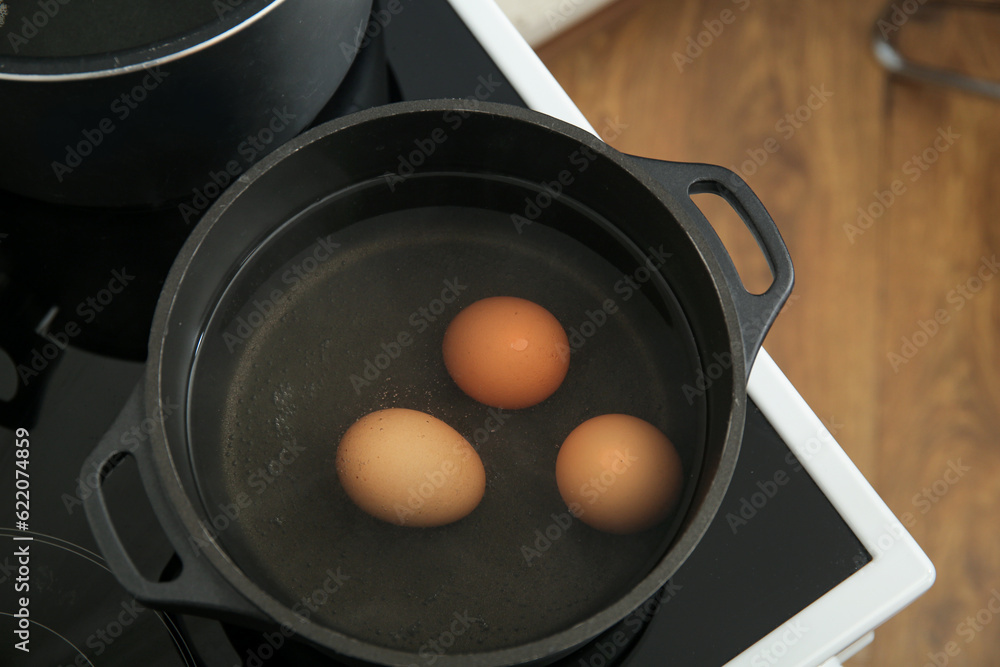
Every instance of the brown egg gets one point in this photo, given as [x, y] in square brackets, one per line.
[506, 352]
[409, 468]
[619, 474]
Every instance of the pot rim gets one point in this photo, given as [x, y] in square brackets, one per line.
[548, 647]
[162, 52]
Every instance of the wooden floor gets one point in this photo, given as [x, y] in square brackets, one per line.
[914, 276]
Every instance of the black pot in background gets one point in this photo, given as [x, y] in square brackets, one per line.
[176, 120]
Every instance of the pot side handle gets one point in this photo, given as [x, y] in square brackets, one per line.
[756, 312]
[196, 588]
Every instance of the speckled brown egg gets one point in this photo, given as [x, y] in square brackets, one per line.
[620, 473]
[410, 469]
[506, 352]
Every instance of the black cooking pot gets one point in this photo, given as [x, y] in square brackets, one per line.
[317, 290]
[139, 103]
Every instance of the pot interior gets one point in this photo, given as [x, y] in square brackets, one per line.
[294, 355]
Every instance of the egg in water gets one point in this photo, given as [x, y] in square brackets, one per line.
[619, 474]
[506, 352]
[410, 469]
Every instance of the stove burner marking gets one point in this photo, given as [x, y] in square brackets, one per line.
[45, 627]
[168, 623]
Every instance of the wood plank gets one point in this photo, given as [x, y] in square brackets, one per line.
[940, 406]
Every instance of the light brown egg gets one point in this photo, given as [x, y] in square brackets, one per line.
[409, 468]
[506, 352]
[620, 473]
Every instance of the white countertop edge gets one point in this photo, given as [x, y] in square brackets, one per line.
[899, 572]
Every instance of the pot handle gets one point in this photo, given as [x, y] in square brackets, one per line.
[196, 588]
[756, 312]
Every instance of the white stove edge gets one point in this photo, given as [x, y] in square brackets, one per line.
[839, 623]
